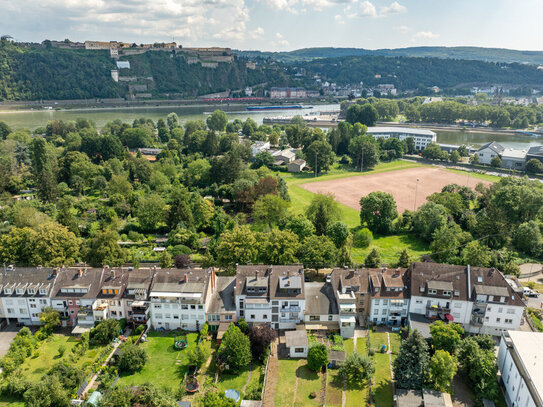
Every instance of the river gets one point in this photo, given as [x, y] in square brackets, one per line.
[36, 118]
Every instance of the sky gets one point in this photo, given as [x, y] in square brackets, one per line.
[281, 25]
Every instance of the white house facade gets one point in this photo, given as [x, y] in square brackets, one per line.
[421, 137]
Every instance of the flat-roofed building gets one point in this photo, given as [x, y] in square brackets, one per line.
[520, 361]
[421, 137]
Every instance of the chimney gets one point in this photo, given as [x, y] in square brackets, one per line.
[186, 279]
[80, 273]
[256, 275]
[468, 269]
[113, 271]
[350, 274]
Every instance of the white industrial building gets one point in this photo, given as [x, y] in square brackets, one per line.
[520, 361]
[421, 137]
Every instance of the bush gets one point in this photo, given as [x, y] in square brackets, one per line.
[132, 359]
[317, 357]
[362, 238]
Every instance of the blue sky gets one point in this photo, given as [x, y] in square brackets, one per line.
[273, 25]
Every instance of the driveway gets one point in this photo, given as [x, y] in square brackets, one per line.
[6, 336]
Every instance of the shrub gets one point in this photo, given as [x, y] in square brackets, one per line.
[317, 357]
[132, 359]
[362, 238]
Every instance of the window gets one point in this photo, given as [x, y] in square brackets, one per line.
[116, 291]
[376, 302]
[498, 319]
[265, 316]
[456, 293]
[314, 318]
[228, 317]
[447, 293]
[479, 279]
[510, 311]
[200, 306]
[508, 321]
[330, 317]
[193, 307]
[43, 292]
[252, 316]
[11, 311]
[32, 305]
[299, 350]
[500, 310]
[432, 291]
[22, 311]
[376, 311]
[70, 302]
[176, 317]
[418, 301]
[384, 312]
[110, 291]
[158, 316]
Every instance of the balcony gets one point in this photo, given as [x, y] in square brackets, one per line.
[439, 308]
[479, 309]
[476, 320]
[290, 309]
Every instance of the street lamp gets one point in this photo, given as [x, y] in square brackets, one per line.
[416, 191]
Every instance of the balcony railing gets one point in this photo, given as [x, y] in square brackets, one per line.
[475, 320]
[291, 309]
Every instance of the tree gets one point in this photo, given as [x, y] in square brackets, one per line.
[476, 254]
[44, 167]
[356, 369]
[364, 114]
[213, 398]
[5, 130]
[534, 166]
[132, 359]
[364, 151]
[527, 238]
[279, 247]
[182, 261]
[480, 369]
[455, 157]
[378, 211]
[105, 332]
[301, 226]
[404, 260]
[261, 336]
[496, 162]
[446, 336]
[442, 369]
[235, 349]
[428, 218]
[373, 259]
[446, 242]
[319, 155]
[411, 365]
[338, 232]
[322, 211]
[237, 246]
[249, 127]
[47, 392]
[270, 209]
[317, 357]
[474, 159]
[217, 121]
[263, 159]
[54, 245]
[166, 260]
[151, 212]
[318, 252]
[198, 355]
[104, 249]
[432, 151]
[50, 319]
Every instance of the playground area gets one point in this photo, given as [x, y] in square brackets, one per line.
[403, 184]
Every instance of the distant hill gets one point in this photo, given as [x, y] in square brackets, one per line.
[466, 53]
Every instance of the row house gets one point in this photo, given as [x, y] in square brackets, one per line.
[270, 294]
[109, 302]
[25, 292]
[479, 298]
[222, 307]
[389, 290]
[136, 295]
[179, 298]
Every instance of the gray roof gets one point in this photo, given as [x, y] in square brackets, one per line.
[181, 281]
[319, 299]
[440, 285]
[491, 290]
[290, 282]
[298, 161]
[408, 398]
[223, 297]
[295, 339]
[401, 130]
[337, 356]
[256, 281]
[496, 147]
[536, 150]
[433, 398]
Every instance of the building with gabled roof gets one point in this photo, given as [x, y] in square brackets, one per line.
[490, 150]
[136, 295]
[270, 294]
[479, 298]
[390, 295]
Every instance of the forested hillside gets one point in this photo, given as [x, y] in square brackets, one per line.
[409, 73]
[468, 53]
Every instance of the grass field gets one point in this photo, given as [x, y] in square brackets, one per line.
[349, 345]
[36, 366]
[383, 381]
[334, 390]
[161, 368]
[477, 176]
[389, 246]
[308, 382]
[286, 382]
[6, 401]
[239, 381]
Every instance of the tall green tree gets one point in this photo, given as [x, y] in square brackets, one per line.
[356, 369]
[279, 247]
[322, 211]
[441, 372]
[319, 155]
[217, 121]
[235, 348]
[270, 209]
[44, 166]
[318, 252]
[378, 211]
[364, 152]
[411, 365]
[237, 246]
[446, 337]
[103, 249]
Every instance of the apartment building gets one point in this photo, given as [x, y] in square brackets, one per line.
[136, 295]
[520, 361]
[389, 296]
[478, 298]
[25, 292]
[222, 307]
[74, 294]
[270, 294]
[421, 137]
[179, 298]
[109, 302]
[321, 310]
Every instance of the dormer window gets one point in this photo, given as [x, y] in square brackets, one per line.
[31, 291]
[20, 291]
[456, 293]
[479, 279]
[43, 291]
[432, 291]
[448, 293]
[7, 291]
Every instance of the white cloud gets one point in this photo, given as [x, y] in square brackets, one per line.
[424, 35]
[394, 8]
[367, 9]
[338, 19]
[134, 20]
[257, 34]
[278, 35]
[402, 29]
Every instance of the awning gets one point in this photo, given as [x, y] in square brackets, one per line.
[347, 306]
[349, 318]
[138, 304]
[449, 317]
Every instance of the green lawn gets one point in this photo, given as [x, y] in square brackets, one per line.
[334, 389]
[239, 380]
[356, 395]
[47, 355]
[308, 382]
[349, 345]
[390, 248]
[484, 177]
[382, 380]
[6, 401]
[395, 342]
[377, 339]
[286, 381]
[161, 368]
[362, 346]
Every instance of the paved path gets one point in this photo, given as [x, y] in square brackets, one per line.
[6, 337]
[95, 376]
